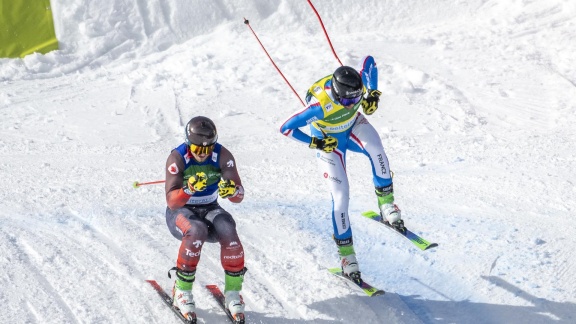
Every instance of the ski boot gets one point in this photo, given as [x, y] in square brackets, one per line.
[389, 212]
[233, 300]
[391, 217]
[182, 298]
[349, 263]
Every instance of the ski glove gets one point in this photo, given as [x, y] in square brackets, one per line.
[196, 183]
[370, 104]
[327, 144]
[226, 188]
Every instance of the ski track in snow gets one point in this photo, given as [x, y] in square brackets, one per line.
[477, 114]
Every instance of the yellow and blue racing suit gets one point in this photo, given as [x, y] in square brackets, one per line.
[326, 115]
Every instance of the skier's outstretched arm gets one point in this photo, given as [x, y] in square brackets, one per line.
[309, 114]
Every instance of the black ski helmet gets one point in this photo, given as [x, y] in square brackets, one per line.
[346, 83]
[201, 131]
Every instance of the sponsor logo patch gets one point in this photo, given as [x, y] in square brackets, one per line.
[354, 93]
[233, 257]
[341, 242]
[313, 119]
[382, 164]
[326, 159]
[332, 178]
[192, 254]
[343, 219]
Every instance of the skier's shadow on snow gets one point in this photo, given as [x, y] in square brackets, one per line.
[541, 310]
[395, 308]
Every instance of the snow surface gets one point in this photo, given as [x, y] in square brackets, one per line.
[477, 117]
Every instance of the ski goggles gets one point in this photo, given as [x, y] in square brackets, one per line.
[350, 101]
[197, 149]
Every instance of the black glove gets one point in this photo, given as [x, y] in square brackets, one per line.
[327, 144]
[370, 104]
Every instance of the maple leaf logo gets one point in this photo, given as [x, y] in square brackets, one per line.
[173, 169]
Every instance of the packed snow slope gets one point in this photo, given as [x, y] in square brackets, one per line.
[477, 117]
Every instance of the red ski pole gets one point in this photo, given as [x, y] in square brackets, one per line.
[271, 60]
[137, 184]
[325, 33]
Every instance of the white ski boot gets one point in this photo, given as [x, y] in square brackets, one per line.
[392, 217]
[390, 213]
[232, 299]
[234, 304]
[182, 297]
[349, 263]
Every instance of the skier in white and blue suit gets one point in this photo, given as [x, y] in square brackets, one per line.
[336, 125]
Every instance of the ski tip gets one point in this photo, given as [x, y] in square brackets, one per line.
[432, 245]
[213, 289]
[378, 293]
[370, 290]
[154, 284]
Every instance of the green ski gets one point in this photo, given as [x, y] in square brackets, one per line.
[365, 287]
[418, 241]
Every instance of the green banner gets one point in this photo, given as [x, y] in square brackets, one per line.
[26, 26]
